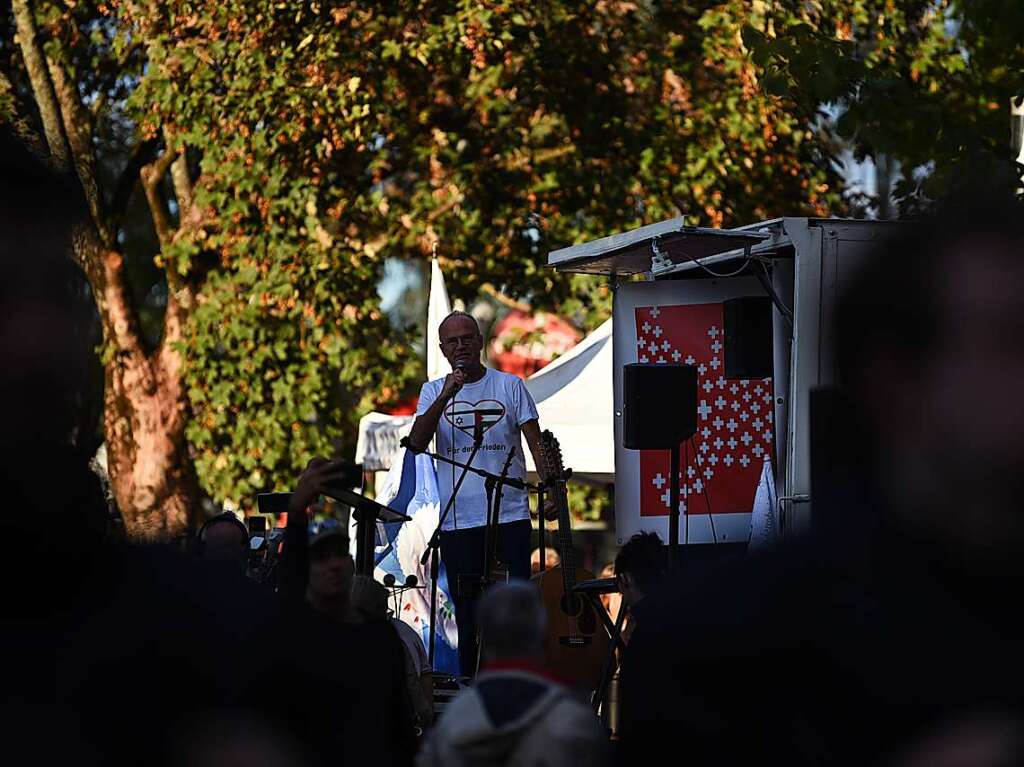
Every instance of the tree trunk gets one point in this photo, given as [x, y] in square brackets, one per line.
[35, 65]
[147, 455]
[145, 413]
[151, 472]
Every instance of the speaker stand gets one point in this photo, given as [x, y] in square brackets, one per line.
[673, 508]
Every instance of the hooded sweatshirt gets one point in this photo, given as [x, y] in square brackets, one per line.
[516, 717]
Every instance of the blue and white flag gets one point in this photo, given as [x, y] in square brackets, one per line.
[411, 487]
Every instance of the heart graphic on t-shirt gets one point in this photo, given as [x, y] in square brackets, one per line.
[464, 416]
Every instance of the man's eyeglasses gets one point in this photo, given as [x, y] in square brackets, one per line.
[455, 341]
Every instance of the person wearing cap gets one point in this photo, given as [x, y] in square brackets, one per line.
[360, 693]
[329, 590]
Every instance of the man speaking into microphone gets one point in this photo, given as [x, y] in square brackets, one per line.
[474, 401]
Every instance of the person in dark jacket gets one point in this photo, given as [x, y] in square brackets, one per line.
[356, 668]
[518, 713]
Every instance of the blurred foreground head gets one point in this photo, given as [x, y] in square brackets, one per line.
[225, 539]
[931, 353]
[369, 598]
[640, 566]
[48, 319]
[47, 326]
[512, 621]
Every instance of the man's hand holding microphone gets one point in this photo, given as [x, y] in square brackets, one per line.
[454, 381]
[423, 428]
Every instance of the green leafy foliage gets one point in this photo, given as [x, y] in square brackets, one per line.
[324, 138]
[331, 136]
[924, 82]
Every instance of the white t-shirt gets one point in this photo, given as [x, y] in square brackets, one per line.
[500, 403]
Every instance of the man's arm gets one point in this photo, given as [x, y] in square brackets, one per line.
[531, 430]
[425, 425]
[320, 475]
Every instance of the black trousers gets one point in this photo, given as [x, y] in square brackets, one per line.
[462, 552]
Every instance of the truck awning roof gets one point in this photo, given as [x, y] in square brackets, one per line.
[631, 252]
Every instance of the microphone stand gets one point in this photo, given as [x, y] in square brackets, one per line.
[434, 544]
[493, 488]
[521, 484]
[493, 516]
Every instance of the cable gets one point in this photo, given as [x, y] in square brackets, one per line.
[686, 495]
[707, 502]
[711, 517]
[659, 254]
[786, 312]
[713, 273]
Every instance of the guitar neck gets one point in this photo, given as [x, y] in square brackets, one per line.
[565, 536]
[553, 463]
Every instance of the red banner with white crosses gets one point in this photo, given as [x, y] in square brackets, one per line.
[721, 464]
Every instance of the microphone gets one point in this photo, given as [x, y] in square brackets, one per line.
[459, 365]
[411, 581]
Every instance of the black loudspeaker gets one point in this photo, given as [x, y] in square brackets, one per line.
[659, 404]
[748, 338]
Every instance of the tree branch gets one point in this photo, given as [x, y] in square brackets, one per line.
[440, 210]
[42, 88]
[180, 299]
[501, 298]
[21, 128]
[67, 127]
[168, 359]
[97, 106]
[144, 153]
[78, 129]
[181, 179]
[105, 271]
[151, 175]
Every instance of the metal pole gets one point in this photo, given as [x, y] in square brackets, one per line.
[1017, 130]
[433, 550]
[540, 527]
[673, 511]
[435, 573]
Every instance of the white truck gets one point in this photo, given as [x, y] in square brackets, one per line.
[799, 264]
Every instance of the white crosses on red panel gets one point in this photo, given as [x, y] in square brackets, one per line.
[735, 415]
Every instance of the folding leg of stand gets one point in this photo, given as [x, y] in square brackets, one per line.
[614, 629]
[615, 633]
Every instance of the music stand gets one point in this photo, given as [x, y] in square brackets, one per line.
[593, 590]
[367, 513]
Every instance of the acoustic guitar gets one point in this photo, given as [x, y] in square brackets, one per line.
[577, 643]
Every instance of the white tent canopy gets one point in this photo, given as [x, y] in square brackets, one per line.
[574, 400]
